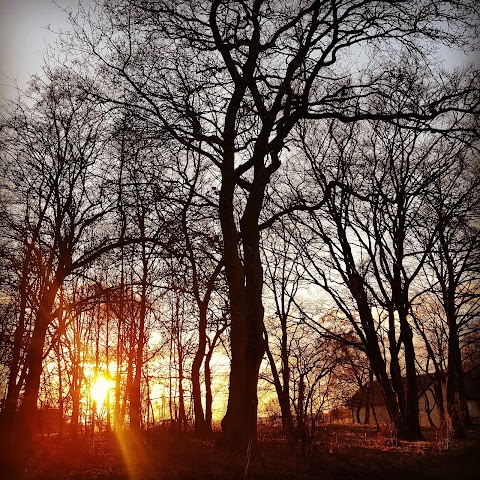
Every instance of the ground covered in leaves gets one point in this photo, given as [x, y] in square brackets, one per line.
[339, 452]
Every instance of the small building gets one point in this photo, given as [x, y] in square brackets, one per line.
[472, 394]
[368, 406]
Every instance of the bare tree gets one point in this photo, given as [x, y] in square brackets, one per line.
[378, 233]
[230, 81]
[454, 262]
[203, 252]
[283, 276]
[58, 200]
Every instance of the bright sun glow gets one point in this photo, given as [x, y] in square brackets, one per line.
[99, 390]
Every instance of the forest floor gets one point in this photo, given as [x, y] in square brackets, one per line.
[339, 452]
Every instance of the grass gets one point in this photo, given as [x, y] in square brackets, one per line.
[339, 452]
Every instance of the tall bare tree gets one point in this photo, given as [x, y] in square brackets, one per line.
[378, 232]
[230, 80]
[59, 196]
[455, 263]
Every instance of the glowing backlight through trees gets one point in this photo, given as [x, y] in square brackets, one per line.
[99, 390]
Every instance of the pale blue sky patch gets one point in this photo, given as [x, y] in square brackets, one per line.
[24, 37]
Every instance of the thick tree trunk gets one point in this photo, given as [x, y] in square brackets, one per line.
[395, 371]
[237, 423]
[14, 383]
[456, 404]
[372, 347]
[240, 422]
[11, 461]
[245, 284]
[407, 426]
[287, 420]
[14, 386]
[284, 398]
[27, 424]
[439, 399]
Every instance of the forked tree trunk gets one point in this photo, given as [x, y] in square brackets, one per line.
[283, 391]
[245, 283]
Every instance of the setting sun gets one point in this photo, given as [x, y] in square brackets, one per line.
[99, 390]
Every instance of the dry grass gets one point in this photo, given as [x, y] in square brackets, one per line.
[338, 452]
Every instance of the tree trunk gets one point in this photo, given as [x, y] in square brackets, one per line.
[373, 351]
[201, 424]
[135, 397]
[182, 417]
[60, 389]
[14, 384]
[455, 395]
[129, 380]
[456, 404]
[395, 371]
[413, 431]
[208, 391]
[439, 399]
[118, 421]
[245, 292]
[367, 413]
[359, 409]
[76, 380]
[27, 424]
[368, 395]
[283, 392]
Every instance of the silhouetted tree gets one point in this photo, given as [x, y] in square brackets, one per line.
[58, 199]
[454, 261]
[230, 81]
[372, 230]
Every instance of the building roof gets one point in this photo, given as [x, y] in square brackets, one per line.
[375, 395]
